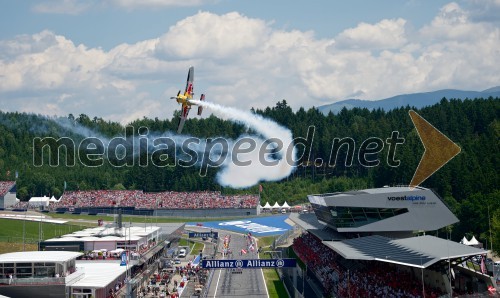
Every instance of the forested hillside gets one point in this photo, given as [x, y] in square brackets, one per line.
[469, 183]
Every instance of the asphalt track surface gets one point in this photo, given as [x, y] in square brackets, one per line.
[249, 283]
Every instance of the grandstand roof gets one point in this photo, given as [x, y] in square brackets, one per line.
[380, 190]
[420, 252]
[39, 256]
[307, 221]
[313, 226]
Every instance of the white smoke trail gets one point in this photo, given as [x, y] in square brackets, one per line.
[280, 163]
[238, 176]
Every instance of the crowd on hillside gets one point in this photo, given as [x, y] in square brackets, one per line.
[5, 186]
[371, 279]
[159, 200]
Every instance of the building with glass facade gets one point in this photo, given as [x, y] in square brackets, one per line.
[382, 210]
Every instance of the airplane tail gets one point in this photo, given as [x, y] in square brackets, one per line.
[200, 108]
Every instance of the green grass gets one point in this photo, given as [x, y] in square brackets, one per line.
[197, 247]
[266, 241]
[274, 285]
[183, 242]
[6, 247]
[12, 230]
[138, 218]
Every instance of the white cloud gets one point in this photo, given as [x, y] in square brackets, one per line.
[245, 62]
[386, 34]
[207, 35]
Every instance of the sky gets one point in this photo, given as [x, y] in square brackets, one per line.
[123, 59]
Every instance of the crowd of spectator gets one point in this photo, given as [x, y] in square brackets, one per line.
[21, 205]
[5, 186]
[370, 279]
[313, 253]
[379, 280]
[158, 200]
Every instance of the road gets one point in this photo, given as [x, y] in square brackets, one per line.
[249, 283]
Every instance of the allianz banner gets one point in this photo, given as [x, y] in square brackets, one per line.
[249, 264]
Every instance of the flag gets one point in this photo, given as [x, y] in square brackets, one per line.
[243, 251]
[65, 185]
[17, 174]
[123, 259]
[260, 187]
[483, 266]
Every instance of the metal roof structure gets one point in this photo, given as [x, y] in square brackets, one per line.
[307, 221]
[39, 256]
[420, 252]
[98, 274]
[374, 214]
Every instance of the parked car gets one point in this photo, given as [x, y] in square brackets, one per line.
[182, 253]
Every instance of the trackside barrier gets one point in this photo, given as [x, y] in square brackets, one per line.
[283, 238]
[206, 289]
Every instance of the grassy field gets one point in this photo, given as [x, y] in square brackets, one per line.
[6, 247]
[147, 219]
[266, 241]
[274, 284]
[12, 230]
[184, 242]
[11, 234]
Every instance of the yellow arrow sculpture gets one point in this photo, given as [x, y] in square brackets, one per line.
[439, 149]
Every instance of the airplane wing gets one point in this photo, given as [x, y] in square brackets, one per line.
[189, 83]
[183, 117]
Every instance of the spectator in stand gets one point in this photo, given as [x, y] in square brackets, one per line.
[160, 200]
[371, 279]
[5, 186]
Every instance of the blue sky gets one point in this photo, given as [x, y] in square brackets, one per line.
[107, 26]
[123, 59]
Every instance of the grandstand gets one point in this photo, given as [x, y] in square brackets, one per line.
[7, 194]
[368, 238]
[167, 203]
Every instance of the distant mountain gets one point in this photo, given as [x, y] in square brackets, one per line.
[417, 100]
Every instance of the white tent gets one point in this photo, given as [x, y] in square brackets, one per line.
[464, 241]
[53, 199]
[39, 201]
[473, 241]
[267, 206]
[285, 206]
[276, 205]
[117, 252]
